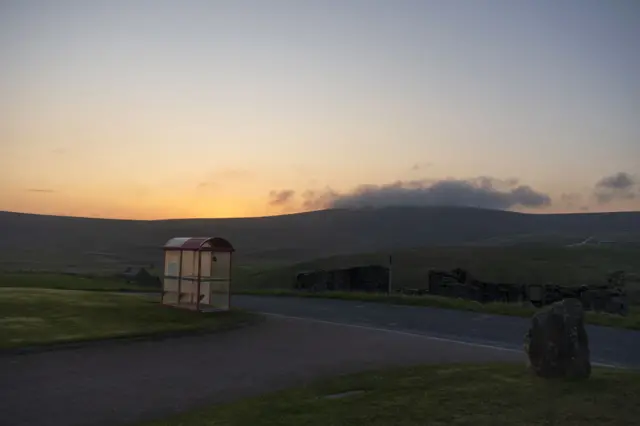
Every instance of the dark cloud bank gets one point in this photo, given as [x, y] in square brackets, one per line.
[484, 192]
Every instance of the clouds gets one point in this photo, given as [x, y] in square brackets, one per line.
[619, 181]
[41, 190]
[619, 186]
[573, 201]
[483, 192]
[215, 179]
[281, 198]
[570, 199]
[418, 167]
[316, 200]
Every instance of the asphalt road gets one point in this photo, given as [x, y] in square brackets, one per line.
[610, 346]
[123, 383]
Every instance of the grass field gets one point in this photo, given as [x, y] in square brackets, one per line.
[528, 265]
[488, 395]
[67, 282]
[522, 265]
[35, 316]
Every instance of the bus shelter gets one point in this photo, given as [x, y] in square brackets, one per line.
[197, 273]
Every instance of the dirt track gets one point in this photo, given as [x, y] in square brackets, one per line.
[127, 382]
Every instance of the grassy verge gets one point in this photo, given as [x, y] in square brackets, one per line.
[67, 282]
[488, 395]
[30, 317]
[631, 321]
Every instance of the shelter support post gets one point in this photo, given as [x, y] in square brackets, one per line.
[229, 282]
[199, 276]
[179, 279]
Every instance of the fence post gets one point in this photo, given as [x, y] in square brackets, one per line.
[390, 274]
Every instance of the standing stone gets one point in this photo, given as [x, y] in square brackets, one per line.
[557, 343]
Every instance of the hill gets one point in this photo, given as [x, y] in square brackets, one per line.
[29, 241]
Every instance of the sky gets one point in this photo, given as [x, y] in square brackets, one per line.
[150, 109]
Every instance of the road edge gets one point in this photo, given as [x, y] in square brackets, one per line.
[254, 318]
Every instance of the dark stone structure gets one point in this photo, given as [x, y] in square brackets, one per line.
[371, 278]
[458, 283]
[141, 277]
[557, 343]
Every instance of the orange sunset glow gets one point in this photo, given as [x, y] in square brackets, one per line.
[197, 109]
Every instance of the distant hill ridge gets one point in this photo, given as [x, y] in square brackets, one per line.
[30, 239]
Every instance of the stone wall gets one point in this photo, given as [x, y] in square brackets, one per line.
[371, 278]
[610, 297]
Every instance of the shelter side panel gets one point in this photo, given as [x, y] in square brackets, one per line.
[189, 289]
[170, 287]
[205, 263]
[171, 269]
[221, 266]
[172, 263]
[189, 264]
[205, 293]
[219, 294]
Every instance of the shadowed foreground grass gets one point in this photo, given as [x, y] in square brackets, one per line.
[631, 321]
[487, 395]
[30, 316]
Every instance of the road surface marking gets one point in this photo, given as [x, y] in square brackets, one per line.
[424, 336]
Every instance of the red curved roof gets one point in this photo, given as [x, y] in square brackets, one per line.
[199, 243]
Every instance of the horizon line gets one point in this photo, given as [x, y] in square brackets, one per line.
[319, 211]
